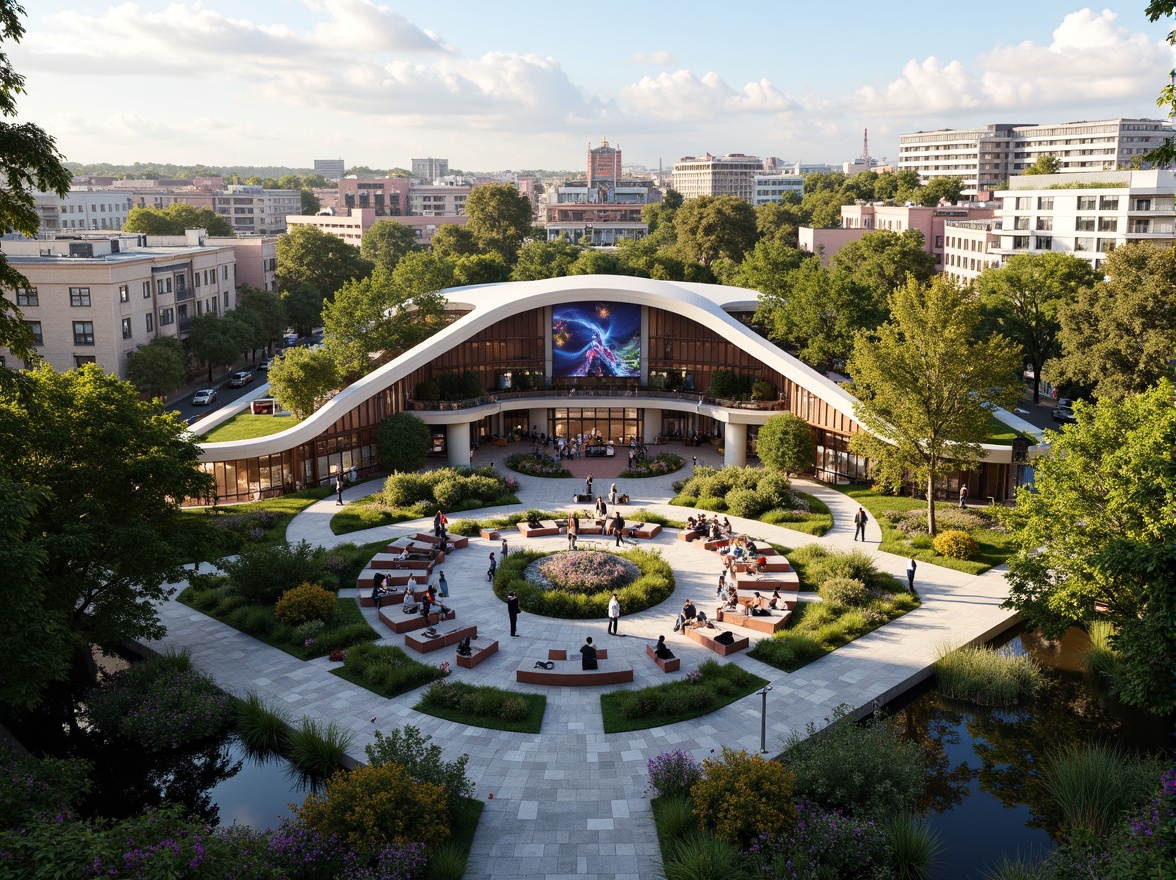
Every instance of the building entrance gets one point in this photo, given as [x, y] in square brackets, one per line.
[621, 425]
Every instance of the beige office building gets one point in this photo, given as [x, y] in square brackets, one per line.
[709, 175]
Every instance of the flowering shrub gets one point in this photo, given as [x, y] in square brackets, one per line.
[673, 773]
[337, 656]
[914, 522]
[543, 466]
[303, 603]
[955, 544]
[742, 796]
[661, 464]
[652, 583]
[422, 758]
[823, 843]
[693, 676]
[587, 572]
[1151, 837]
[844, 591]
[158, 708]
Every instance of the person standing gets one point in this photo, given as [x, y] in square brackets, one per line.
[493, 567]
[512, 610]
[859, 522]
[612, 495]
[963, 496]
[601, 508]
[614, 614]
[573, 531]
[437, 524]
[911, 574]
[619, 527]
[505, 548]
[588, 654]
[588, 485]
[442, 585]
[339, 489]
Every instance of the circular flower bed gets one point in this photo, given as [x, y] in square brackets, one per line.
[662, 463]
[557, 585]
[544, 466]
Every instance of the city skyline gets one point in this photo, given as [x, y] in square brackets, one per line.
[283, 82]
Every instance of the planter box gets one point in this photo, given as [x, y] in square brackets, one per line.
[403, 623]
[567, 673]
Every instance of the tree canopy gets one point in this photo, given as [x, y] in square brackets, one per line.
[402, 443]
[500, 218]
[925, 383]
[880, 261]
[1046, 163]
[385, 242]
[1096, 539]
[786, 442]
[175, 219]
[159, 367]
[96, 476]
[307, 255]
[301, 379]
[710, 227]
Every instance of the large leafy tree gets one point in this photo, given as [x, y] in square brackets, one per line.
[787, 443]
[938, 189]
[96, 477]
[545, 259]
[880, 261]
[480, 269]
[402, 443]
[264, 311]
[304, 305]
[421, 273]
[925, 383]
[454, 240]
[500, 218]
[1022, 298]
[1120, 334]
[216, 340]
[779, 221]
[307, 255]
[710, 227]
[1096, 538]
[175, 219]
[29, 163]
[376, 314]
[385, 242]
[159, 367]
[767, 266]
[301, 379]
[1046, 163]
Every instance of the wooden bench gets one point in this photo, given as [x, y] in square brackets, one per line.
[480, 649]
[546, 529]
[392, 562]
[561, 654]
[456, 542]
[365, 600]
[702, 637]
[403, 623]
[568, 673]
[644, 530]
[422, 644]
[715, 545]
[784, 581]
[672, 664]
[689, 535]
[590, 529]
[490, 535]
[776, 622]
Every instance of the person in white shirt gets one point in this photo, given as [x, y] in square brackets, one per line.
[614, 615]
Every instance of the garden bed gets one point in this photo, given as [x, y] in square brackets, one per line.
[661, 464]
[255, 523]
[386, 670]
[754, 493]
[484, 706]
[711, 687]
[532, 466]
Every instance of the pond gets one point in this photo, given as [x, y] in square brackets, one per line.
[984, 800]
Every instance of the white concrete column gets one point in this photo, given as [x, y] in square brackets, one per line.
[538, 418]
[457, 444]
[651, 425]
[734, 444]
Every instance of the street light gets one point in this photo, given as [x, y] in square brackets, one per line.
[764, 719]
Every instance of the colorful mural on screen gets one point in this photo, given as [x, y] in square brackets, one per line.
[596, 339]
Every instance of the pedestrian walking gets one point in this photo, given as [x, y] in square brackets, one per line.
[512, 609]
[963, 497]
[339, 489]
[619, 527]
[493, 567]
[911, 566]
[612, 495]
[859, 523]
[442, 585]
[573, 531]
[505, 548]
[614, 614]
[588, 485]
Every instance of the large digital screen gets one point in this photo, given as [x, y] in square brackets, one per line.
[596, 339]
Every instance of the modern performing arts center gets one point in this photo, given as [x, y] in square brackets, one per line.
[623, 358]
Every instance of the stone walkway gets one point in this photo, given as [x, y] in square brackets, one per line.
[572, 801]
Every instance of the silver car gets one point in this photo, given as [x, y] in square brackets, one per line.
[204, 397]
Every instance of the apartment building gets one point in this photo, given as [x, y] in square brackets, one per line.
[96, 299]
[438, 200]
[351, 226]
[602, 208]
[708, 175]
[429, 169]
[331, 169]
[987, 158]
[256, 258]
[83, 208]
[970, 247]
[252, 210]
[1087, 214]
[387, 196]
[772, 187]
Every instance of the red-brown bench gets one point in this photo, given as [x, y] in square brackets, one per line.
[401, 623]
[776, 622]
[707, 641]
[480, 649]
[490, 535]
[561, 654]
[671, 664]
[422, 644]
[394, 598]
[547, 528]
[568, 673]
[456, 542]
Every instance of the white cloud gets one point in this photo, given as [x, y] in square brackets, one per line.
[683, 96]
[659, 58]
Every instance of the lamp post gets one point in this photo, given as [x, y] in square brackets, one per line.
[764, 719]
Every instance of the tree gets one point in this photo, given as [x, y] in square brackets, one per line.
[216, 340]
[149, 221]
[310, 202]
[265, 311]
[937, 189]
[307, 255]
[402, 442]
[29, 163]
[823, 208]
[453, 240]
[304, 305]
[1022, 299]
[480, 269]
[175, 219]
[880, 261]
[301, 378]
[766, 268]
[385, 242]
[1095, 538]
[159, 367]
[376, 314]
[1046, 163]
[710, 227]
[924, 383]
[786, 443]
[1120, 334]
[779, 221]
[422, 272]
[545, 259]
[97, 477]
[500, 218]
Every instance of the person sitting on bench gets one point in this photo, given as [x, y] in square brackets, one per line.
[588, 654]
[661, 651]
[690, 616]
[775, 600]
[378, 588]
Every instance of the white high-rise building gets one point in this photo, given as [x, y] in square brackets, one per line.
[709, 175]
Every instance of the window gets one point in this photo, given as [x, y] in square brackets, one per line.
[226, 275]
[180, 286]
[126, 328]
[1108, 224]
[80, 360]
[1045, 203]
[79, 296]
[166, 316]
[146, 290]
[1020, 223]
[124, 293]
[83, 332]
[1084, 224]
[159, 286]
[35, 329]
[226, 299]
[1020, 242]
[150, 323]
[1024, 203]
[1142, 205]
[1083, 244]
[1044, 243]
[27, 296]
[1045, 224]
[197, 274]
[1086, 203]
[1108, 203]
[1106, 245]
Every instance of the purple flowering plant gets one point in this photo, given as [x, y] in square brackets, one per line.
[673, 773]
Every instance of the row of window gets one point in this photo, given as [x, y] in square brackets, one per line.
[1085, 203]
[83, 331]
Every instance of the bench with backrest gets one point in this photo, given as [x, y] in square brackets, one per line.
[706, 639]
[456, 542]
[401, 623]
[480, 649]
[423, 644]
[546, 529]
[568, 673]
[669, 664]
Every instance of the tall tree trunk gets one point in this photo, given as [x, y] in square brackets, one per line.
[931, 501]
[1036, 384]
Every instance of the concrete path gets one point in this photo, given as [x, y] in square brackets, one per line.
[573, 801]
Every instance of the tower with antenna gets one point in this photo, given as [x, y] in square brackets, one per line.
[866, 147]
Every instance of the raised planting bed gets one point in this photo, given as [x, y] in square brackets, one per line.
[423, 644]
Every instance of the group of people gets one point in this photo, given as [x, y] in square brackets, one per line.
[434, 594]
[712, 529]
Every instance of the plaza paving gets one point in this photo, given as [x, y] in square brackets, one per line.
[572, 801]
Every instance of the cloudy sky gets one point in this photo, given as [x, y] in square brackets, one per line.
[511, 84]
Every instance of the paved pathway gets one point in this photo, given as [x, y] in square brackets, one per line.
[573, 801]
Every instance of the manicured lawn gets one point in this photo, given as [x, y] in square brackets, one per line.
[246, 426]
[817, 521]
[717, 685]
[996, 545]
[999, 432]
[482, 706]
[271, 515]
[367, 513]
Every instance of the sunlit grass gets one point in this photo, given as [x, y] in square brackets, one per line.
[247, 426]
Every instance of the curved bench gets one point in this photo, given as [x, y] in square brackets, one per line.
[403, 623]
[568, 673]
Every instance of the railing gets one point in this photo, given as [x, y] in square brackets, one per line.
[611, 393]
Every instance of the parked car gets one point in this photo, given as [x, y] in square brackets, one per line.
[266, 364]
[1064, 414]
[240, 379]
[1064, 401]
[204, 397]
